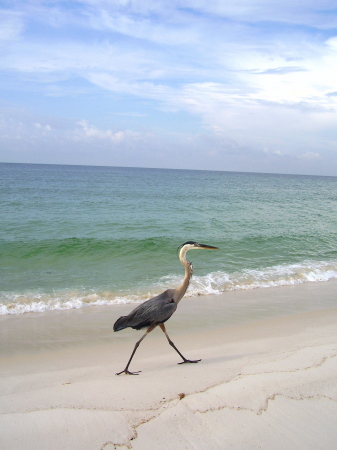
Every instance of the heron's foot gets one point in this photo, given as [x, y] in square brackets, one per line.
[127, 372]
[190, 361]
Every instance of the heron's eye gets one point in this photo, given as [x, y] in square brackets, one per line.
[171, 301]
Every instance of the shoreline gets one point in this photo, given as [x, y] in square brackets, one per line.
[56, 329]
[218, 283]
[265, 381]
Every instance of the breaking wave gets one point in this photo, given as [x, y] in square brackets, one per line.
[210, 284]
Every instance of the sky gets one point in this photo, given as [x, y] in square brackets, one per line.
[244, 85]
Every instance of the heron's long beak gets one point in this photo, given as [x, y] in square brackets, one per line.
[209, 247]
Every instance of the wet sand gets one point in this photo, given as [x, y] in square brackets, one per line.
[267, 378]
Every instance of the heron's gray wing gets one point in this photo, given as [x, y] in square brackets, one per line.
[156, 310]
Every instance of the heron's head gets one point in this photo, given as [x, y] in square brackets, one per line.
[191, 245]
[195, 245]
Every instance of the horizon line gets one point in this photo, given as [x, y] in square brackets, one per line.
[168, 168]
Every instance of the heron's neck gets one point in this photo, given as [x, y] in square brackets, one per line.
[181, 290]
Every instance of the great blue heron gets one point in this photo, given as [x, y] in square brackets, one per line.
[159, 309]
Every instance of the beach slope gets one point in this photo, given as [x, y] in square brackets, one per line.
[263, 383]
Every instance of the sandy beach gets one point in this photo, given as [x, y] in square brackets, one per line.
[267, 378]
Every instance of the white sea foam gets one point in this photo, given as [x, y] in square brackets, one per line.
[281, 275]
[20, 304]
[212, 283]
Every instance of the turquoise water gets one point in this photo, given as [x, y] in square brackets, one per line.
[75, 236]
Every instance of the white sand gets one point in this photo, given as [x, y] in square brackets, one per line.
[268, 383]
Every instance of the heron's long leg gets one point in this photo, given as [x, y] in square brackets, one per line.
[162, 326]
[126, 371]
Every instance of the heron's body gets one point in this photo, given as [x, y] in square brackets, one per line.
[157, 310]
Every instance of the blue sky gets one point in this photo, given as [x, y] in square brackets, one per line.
[249, 85]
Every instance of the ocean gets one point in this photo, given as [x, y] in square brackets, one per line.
[80, 236]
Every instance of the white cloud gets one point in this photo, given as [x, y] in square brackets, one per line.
[89, 131]
[11, 26]
[311, 156]
[306, 12]
[42, 127]
[301, 11]
[143, 28]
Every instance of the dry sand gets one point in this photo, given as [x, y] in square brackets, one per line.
[267, 379]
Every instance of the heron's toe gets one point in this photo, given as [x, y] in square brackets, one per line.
[127, 372]
[190, 361]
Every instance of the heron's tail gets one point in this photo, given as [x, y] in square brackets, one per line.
[121, 323]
